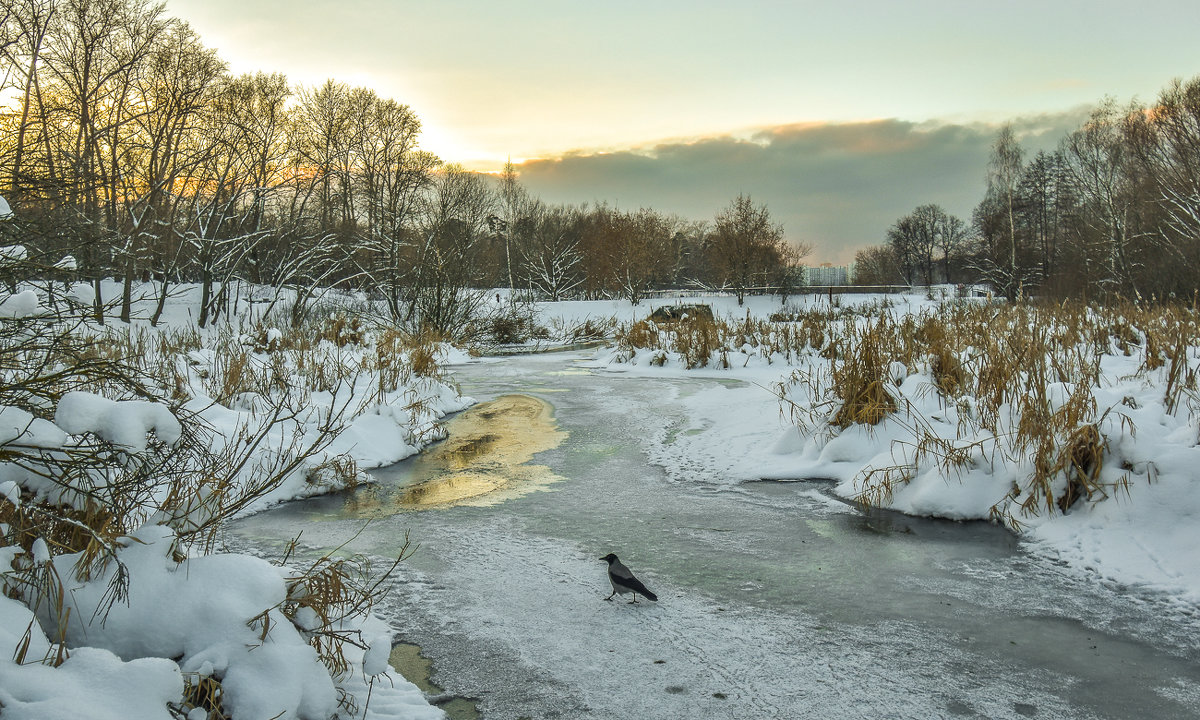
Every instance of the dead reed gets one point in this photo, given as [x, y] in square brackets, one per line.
[1022, 375]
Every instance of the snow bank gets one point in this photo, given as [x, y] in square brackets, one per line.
[19, 305]
[81, 293]
[93, 684]
[19, 427]
[1136, 536]
[218, 615]
[123, 423]
[223, 616]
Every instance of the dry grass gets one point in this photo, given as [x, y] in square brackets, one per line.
[330, 591]
[422, 354]
[861, 376]
[641, 335]
[342, 330]
[203, 692]
[699, 341]
[1020, 374]
[1026, 374]
[696, 339]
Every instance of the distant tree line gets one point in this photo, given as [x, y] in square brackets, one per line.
[1114, 211]
[127, 144]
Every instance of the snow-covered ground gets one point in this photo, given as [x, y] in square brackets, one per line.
[128, 638]
[221, 615]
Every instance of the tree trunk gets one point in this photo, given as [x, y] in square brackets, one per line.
[98, 303]
[127, 293]
[206, 283]
[162, 303]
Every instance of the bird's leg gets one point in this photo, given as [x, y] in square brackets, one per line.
[610, 597]
[634, 599]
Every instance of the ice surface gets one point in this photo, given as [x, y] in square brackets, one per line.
[776, 599]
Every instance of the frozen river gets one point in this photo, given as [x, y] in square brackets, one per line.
[775, 599]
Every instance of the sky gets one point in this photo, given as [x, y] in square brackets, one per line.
[840, 116]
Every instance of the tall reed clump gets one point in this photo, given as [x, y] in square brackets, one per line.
[949, 374]
[639, 335]
[1021, 380]
[1170, 333]
[861, 372]
[703, 342]
[852, 377]
[697, 339]
[423, 354]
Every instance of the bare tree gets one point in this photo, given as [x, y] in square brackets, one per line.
[1004, 173]
[745, 248]
[1097, 163]
[322, 133]
[441, 282]
[1044, 193]
[551, 260]
[240, 170]
[393, 174]
[625, 254]
[92, 54]
[26, 24]
[514, 202]
[951, 237]
[1165, 143]
[877, 265]
[172, 93]
[914, 238]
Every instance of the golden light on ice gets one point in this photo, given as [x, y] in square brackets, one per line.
[485, 459]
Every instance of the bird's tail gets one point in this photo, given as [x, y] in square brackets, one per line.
[650, 596]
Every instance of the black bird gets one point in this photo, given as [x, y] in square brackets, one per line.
[623, 581]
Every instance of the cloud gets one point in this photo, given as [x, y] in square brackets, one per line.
[838, 186]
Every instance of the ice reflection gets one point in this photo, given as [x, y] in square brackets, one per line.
[485, 459]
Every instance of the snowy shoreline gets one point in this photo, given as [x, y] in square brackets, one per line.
[153, 644]
[160, 626]
[1131, 538]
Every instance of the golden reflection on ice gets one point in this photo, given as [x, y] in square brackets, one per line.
[483, 460]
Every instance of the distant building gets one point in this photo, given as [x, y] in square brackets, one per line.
[827, 274]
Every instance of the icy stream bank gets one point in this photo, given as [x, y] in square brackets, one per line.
[776, 599]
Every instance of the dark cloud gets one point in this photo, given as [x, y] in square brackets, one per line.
[837, 186]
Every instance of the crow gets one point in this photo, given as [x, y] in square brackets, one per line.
[623, 581]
